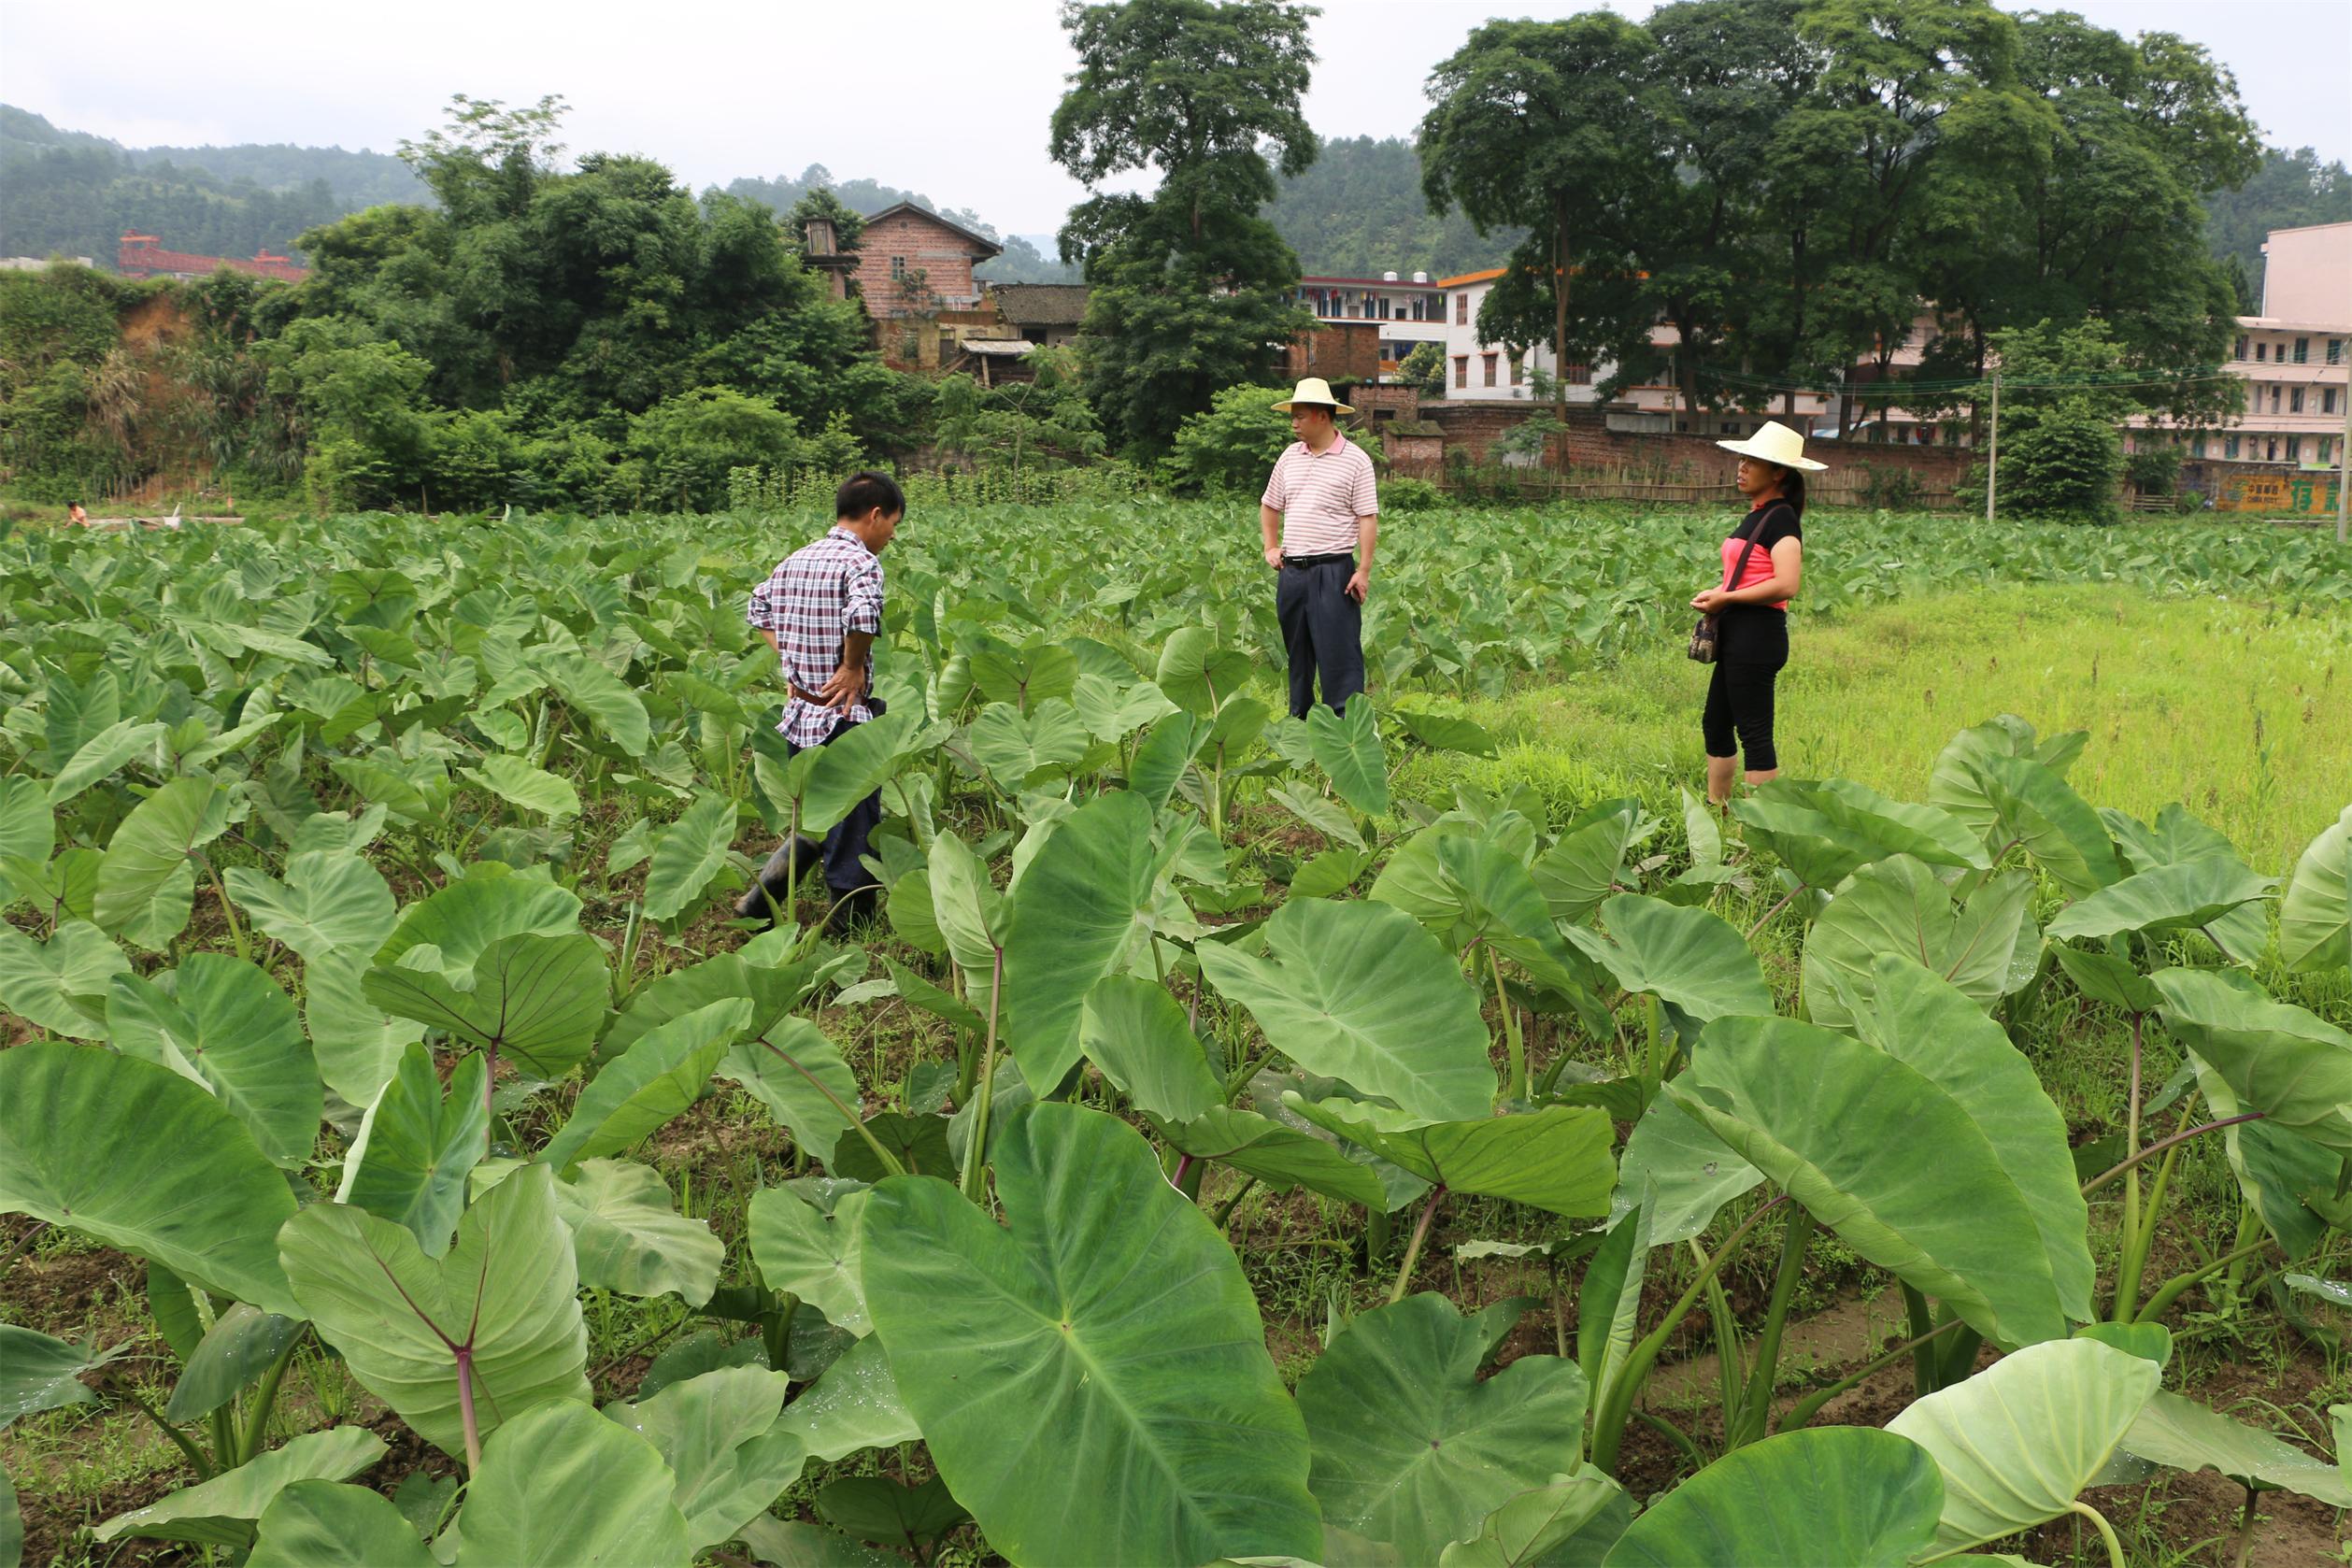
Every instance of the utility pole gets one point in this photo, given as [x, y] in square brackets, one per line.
[2343, 471]
[1992, 467]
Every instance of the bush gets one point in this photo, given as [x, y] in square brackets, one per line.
[2063, 465]
[1231, 446]
[2153, 470]
[1407, 495]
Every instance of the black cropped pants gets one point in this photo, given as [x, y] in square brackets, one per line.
[1739, 703]
[1322, 630]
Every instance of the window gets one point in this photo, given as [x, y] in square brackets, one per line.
[2327, 451]
[2271, 448]
[2335, 350]
[2295, 400]
[2197, 446]
[1518, 370]
[2230, 447]
[1461, 370]
[1730, 427]
[2241, 349]
[2263, 352]
[898, 266]
[1578, 376]
[1462, 310]
[1489, 359]
[2294, 448]
[2274, 400]
[2303, 351]
[2327, 400]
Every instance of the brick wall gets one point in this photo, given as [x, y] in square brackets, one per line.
[1474, 428]
[1339, 351]
[943, 257]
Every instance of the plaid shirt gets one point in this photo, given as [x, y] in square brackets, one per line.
[816, 596]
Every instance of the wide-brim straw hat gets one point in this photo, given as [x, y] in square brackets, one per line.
[1315, 392]
[1774, 442]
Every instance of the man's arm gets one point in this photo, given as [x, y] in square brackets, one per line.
[1367, 539]
[1270, 528]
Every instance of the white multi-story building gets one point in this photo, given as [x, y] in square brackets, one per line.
[1408, 311]
[2294, 355]
[1478, 371]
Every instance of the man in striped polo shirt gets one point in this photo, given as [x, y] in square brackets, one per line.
[1320, 518]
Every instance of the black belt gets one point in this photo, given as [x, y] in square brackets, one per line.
[1303, 562]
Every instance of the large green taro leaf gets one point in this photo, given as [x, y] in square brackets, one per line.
[518, 783]
[220, 1512]
[658, 1076]
[1847, 1495]
[60, 984]
[1827, 831]
[1886, 1156]
[1136, 1032]
[1347, 748]
[814, 1251]
[237, 1348]
[537, 1000]
[327, 1524]
[2276, 1057]
[1686, 1169]
[1093, 1382]
[2185, 1435]
[137, 1156]
[1017, 746]
[358, 1043]
[1692, 960]
[1555, 1159]
[460, 921]
[773, 990]
[628, 1236]
[415, 1145]
[331, 900]
[1360, 991]
[689, 854]
[506, 1294]
[1921, 1019]
[562, 1487]
[1580, 871]
[2275, 1167]
[2168, 898]
[606, 706]
[853, 1405]
[2034, 807]
[2019, 1439]
[1898, 906]
[145, 885]
[2314, 922]
[1083, 909]
[224, 1023]
[39, 1372]
[1279, 1155]
[794, 1069]
[1410, 1446]
[1570, 1523]
[716, 1432]
[1197, 674]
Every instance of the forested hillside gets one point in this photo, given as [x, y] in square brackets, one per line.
[2291, 189]
[1357, 212]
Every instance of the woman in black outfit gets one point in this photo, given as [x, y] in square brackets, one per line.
[1764, 566]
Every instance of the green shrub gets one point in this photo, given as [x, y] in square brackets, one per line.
[1408, 495]
[2153, 470]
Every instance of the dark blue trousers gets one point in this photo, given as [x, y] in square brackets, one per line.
[1322, 630]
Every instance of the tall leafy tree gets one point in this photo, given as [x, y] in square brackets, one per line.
[1555, 128]
[1190, 287]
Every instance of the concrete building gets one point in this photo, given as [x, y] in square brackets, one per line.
[1478, 371]
[2292, 356]
[1394, 314]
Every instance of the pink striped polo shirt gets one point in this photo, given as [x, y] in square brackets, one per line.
[1321, 497]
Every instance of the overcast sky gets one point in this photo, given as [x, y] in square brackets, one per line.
[947, 97]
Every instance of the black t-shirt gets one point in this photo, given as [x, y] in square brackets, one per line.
[1758, 634]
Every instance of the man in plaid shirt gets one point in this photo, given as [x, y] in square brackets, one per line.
[820, 609]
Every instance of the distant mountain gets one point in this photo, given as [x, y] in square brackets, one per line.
[68, 193]
[1357, 212]
[2291, 190]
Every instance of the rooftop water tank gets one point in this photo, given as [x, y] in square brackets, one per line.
[1388, 278]
[1420, 278]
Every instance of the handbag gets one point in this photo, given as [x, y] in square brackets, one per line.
[1705, 636]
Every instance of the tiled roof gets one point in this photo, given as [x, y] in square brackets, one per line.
[1044, 304]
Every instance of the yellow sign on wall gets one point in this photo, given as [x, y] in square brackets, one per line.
[2298, 494]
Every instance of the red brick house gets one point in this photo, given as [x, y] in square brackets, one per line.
[915, 275]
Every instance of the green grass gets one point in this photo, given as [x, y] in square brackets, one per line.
[2241, 712]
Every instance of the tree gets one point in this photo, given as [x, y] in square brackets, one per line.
[1423, 369]
[1229, 448]
[489, 156]
[1038, 423]
[849, 224]
[1190, 288]
[2288, 191]
[2064, 397]
[1553, 127]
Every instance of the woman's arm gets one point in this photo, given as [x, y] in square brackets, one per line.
[1788, 576]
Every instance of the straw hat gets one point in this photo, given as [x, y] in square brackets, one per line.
[1774, 442]
[1313, 392]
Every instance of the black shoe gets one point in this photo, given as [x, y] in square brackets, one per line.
[767, 894]
[853, 912]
